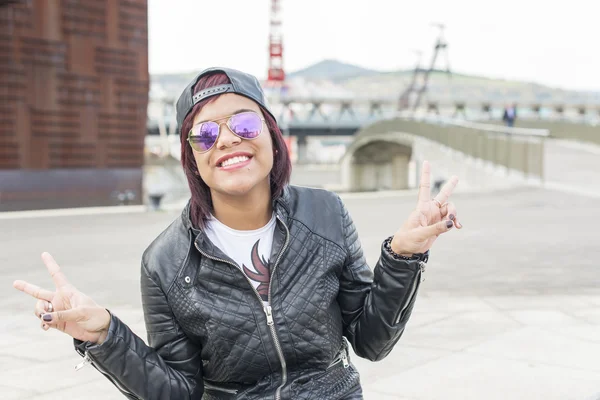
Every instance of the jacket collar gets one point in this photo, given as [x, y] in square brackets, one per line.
[281, 208]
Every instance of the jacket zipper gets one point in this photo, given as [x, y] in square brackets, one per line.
[87, 359]
[413, 288]
[267, 309]
[343, 357]
[270, 323]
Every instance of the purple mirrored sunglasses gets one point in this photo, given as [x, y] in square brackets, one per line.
[246, 125]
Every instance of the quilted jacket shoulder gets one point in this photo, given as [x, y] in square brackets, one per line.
[319, 210]
[165, 256]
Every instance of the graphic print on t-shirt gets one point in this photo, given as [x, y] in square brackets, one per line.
[261, 273]
[249, 249]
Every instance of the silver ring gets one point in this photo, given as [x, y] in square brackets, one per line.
[50, 308]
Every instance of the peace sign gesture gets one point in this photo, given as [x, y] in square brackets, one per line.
[66, 308]
[431, 218]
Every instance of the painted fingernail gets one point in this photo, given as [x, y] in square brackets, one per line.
[449, 225]
[451, 216]
[47, 317]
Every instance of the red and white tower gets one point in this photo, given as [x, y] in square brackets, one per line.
[276, 75]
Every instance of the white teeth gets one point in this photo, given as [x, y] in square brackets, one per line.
[234, 160]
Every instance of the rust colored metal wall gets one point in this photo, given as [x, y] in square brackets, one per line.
[73, 101]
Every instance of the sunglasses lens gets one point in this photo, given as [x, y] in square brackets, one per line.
[247, 125]
[204, 136]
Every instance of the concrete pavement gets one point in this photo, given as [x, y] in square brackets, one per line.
[510, 308]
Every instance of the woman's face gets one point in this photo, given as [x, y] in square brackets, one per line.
[240, 177]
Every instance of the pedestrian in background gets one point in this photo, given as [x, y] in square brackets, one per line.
[510, 115]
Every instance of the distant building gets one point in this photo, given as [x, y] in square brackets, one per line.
[73, 101]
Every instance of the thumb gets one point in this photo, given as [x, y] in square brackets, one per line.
[435, 229]
[72, 315]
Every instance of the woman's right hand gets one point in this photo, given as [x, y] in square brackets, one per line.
[73, 312]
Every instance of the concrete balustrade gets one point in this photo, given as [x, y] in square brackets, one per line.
[381, 155]
[564, 129]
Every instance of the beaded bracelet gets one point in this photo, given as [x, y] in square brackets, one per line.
[387, 246]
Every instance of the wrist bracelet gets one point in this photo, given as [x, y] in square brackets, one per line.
[387, 246]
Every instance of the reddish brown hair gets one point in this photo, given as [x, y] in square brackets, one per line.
[201, 202]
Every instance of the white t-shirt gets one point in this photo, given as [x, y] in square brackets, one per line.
[250, 250]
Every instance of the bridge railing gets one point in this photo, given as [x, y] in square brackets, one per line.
[516, 149]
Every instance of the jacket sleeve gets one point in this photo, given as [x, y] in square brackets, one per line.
[376, 305]
[169, 368]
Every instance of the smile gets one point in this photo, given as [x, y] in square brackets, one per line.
[234, 160]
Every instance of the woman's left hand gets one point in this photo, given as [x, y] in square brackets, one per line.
[431, 218]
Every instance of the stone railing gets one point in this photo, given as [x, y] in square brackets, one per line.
[564, 129]
[516, 149]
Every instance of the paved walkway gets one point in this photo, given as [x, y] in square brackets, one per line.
[510, 308]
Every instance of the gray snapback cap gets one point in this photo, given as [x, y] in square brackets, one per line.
[241, 83]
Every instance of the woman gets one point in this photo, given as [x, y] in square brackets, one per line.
[256, 289]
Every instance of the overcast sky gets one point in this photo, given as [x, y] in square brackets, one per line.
[534, 40]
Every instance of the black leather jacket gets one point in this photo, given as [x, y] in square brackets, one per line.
[210, 337]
